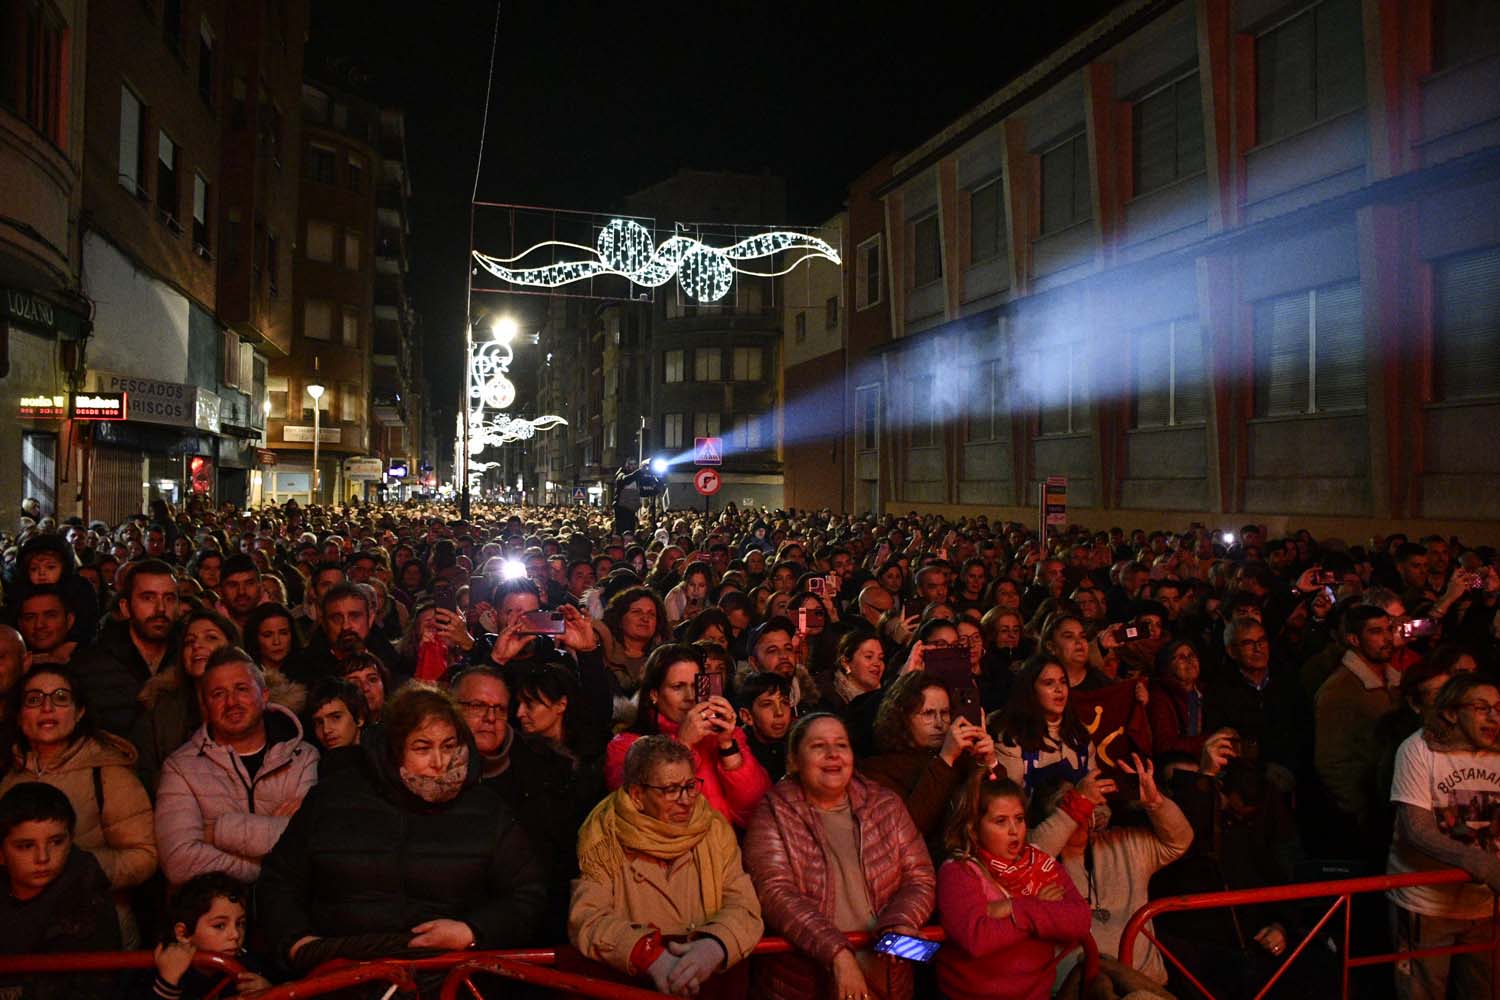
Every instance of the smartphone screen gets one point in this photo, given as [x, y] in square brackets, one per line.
[913, 949]
[543, 623]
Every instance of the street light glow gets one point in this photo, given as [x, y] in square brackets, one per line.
[315, 390]
[505, 329]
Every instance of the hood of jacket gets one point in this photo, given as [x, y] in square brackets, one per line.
[283, 734]
[100, 750]
[174, 683]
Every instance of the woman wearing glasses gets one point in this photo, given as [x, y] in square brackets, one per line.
[668, 704]
[57, 743]
[924, 752]
[831, 854]
[662, 891]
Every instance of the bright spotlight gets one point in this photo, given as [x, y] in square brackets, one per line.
[1227, 537]
[659, 466]
[513, 569]
[505, 329]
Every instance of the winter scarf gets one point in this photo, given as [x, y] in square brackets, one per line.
[1030, 872]
[443, 788]
[617, 826]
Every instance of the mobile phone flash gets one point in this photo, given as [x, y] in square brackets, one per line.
[513, 569]
[1227, 537]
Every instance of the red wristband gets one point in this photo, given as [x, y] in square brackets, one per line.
[646, 951]
[1079, 807]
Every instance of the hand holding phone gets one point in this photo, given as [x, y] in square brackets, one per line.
[913, 949]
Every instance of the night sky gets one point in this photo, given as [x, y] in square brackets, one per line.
[595, 100]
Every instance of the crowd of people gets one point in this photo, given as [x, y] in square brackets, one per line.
[295, 735]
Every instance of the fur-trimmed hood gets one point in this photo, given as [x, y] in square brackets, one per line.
[173, 682]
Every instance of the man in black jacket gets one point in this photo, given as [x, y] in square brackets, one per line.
[127, 654]
[343, 629]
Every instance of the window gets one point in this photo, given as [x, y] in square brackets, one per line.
[349, 332]
[273, 263]
[986, 222]
[867, 274]
[1169, 378]
[132, 142]
[706, 425]
[33, 68]
[927, 250]
[867, 417]
[167, 198]
[799, 326]
[1063, 391]
[672, 366]
[747, 364]
[319, 241]
[200, 213]
[708, 364]
[1467, 326]
[1464, 31]
[356, 173]
[1309, 68]
[322, 163]
[317, 319]
[831, 313]
[1066, 199]
[229, 344]
[351, 249]
[270, 136]
[989, 412]
[171, 25]
[276, 392]
[39, 468]
[206, 64]
[671, 430]
[314, 104]
[749, 432]
[1310, 352]
[1168, 142]
[340, 115]
[922, 409]
[350, 402]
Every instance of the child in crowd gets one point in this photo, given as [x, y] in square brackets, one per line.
[207, 914]
[764, 703]
[57, 899]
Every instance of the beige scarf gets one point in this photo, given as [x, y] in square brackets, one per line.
[617, 826]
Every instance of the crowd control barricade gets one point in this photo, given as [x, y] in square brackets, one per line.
[112, 961]
[1341, 891]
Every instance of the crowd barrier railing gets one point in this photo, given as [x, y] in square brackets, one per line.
[530, 965]
[1342, 891]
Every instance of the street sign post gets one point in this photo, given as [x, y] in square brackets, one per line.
[580, 495]
[707, 482]
[708, 451]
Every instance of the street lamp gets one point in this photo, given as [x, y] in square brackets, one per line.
[505, 329]
[316, 392]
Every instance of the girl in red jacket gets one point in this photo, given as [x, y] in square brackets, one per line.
[1008, 909]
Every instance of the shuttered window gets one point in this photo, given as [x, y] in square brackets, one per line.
[927, 251]
[1065, 185]
[867, 416]
[1153, 376]
[988, 409]
[1467, 334]
[986, 222]
[923, 410]
[1308, 68]
[1465, 30]
[1062, 381]
[1168, 142]
[1310, 353]
[867, 274]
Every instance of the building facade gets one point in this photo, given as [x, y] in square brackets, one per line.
[814, 380]
[1212, 261]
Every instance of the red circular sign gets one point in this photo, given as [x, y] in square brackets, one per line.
[707, 482]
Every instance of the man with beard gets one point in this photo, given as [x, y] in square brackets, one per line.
[113, 670]
[44, 622]
[344, 619]
[239, 583]
[1447, 795]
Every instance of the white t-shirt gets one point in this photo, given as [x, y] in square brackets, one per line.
[1462, 791]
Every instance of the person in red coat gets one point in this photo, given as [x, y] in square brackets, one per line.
[1008, 909]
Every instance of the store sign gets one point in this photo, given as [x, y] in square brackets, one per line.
[171, 403]
[45, 407]
[265, 456]
[303, 434]
[34, 312]
[364, 468]
[99, 406]
[398, 470]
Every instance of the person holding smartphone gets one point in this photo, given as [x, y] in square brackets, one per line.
[1007, 907]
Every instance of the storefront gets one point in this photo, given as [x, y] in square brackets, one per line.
[38, 337]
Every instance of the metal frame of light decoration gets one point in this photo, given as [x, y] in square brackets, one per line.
[624, 248]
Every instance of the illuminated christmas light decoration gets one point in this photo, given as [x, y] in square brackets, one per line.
[503, 429]
[624, 248]
[491, 389]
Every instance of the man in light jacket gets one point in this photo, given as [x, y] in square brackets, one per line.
[227, 794]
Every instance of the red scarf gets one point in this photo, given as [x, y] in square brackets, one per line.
[1026, 877]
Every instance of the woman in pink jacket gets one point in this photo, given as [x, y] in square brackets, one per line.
[668, 703]
[831, 854]
[1007, 908]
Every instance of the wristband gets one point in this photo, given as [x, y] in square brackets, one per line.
[1077, 806]
[646, 951]
[732, 750]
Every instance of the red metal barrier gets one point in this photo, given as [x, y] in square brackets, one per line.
[1341, 889]
[113, 961]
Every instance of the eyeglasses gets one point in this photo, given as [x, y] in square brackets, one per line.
[484, 708]
[1253, 643]
[941, 716]
[1482, 708]
[61, 698]
[677, 793]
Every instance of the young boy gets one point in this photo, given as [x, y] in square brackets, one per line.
[57, 899]
[207, 913]
[764, 702]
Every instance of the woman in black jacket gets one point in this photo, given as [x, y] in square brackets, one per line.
[405, 850]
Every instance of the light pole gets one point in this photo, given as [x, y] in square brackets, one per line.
[316, 392]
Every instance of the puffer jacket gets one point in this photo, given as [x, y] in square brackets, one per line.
[733, 794]
[204, 780]
[786, 853]
[365, 856]
[170, 703]
[117, 831]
